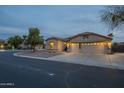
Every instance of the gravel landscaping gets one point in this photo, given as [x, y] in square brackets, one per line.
[40, 53]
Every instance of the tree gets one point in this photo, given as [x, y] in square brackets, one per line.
[113, 16]
[15, 41]
[34, 38]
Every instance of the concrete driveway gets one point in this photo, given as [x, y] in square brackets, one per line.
[101, 60]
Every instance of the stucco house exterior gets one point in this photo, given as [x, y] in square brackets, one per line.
[87, 42]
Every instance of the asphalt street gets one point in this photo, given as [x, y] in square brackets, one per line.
[33, 73]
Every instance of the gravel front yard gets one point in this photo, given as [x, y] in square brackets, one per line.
[40, 53]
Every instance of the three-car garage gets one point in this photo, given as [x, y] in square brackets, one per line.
[89, 48]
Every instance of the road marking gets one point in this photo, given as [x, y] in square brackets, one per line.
[51, 74]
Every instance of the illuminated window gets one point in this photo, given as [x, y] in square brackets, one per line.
[109, 45]
[1, 46]
[51, 45]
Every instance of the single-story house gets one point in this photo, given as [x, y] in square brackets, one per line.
[87, 42]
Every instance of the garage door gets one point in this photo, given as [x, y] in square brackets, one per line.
[75, 48]
[92, 49]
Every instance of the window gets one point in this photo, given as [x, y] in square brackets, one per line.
[51, 45]
[1, 46]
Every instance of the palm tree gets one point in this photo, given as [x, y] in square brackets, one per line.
[113, 16]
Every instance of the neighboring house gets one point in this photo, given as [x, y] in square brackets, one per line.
[2, 44]
[86, 42]
[118, 47]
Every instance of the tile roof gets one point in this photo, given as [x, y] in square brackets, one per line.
[81, 34]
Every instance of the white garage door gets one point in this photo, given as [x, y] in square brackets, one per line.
[92, 49]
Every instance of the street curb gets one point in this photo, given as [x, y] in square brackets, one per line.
[13, 50]
[41, 58]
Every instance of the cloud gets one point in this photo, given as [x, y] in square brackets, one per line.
[60, 21]
[12, 31]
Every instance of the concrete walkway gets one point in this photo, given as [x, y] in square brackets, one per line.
[115, 61]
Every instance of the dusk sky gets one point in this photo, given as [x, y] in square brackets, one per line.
[58, 21]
